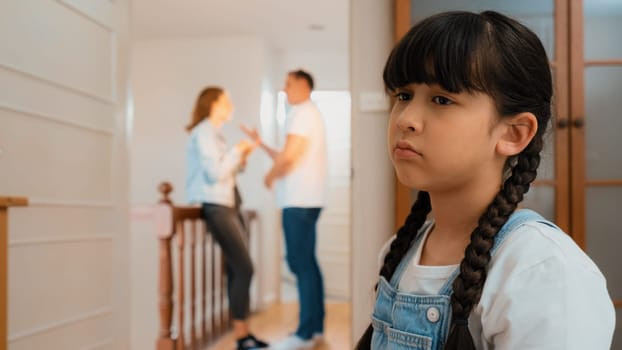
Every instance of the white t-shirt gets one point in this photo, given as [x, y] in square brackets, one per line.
[305, 185]
[542, 292]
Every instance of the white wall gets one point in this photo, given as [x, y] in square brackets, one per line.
[372, 188]
[63, 97]
[166, 79]
[329, 68]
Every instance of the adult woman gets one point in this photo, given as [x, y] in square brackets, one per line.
[211, 182]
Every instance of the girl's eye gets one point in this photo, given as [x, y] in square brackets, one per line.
[402, 96]
[443, 101]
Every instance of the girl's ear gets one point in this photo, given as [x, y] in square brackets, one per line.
[516, 133]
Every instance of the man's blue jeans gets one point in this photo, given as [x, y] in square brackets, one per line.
[299, 225]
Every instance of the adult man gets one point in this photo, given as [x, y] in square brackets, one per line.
[299, 174]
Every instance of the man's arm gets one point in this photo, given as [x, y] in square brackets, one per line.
[286, 160]
[272, 153]
[253, 134]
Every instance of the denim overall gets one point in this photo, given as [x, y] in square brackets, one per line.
[404, 321]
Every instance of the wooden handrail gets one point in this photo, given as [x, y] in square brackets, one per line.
[5, 204]
[173, 292]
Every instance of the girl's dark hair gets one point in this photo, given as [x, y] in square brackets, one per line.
[468, 52]
[203, 105]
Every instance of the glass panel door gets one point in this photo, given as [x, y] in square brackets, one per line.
[596, 139]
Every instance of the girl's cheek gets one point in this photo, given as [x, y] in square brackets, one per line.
[393, 129]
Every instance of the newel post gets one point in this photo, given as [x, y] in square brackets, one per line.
[164, 227]
[5, 203]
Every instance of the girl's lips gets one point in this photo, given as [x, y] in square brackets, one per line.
[405, 150]
[401, 153]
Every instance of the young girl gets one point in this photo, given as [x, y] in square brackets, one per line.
[211, 181]
[473, 99]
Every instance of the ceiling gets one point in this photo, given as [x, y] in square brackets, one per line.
[285, 24]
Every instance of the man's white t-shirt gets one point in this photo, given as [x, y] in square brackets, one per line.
[305, 185]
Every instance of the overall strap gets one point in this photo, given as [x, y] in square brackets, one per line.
[518, 218]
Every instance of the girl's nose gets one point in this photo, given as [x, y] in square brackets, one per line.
[403, 125]
[409, 119]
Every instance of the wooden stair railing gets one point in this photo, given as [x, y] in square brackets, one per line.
[5, 203]
[184, 225]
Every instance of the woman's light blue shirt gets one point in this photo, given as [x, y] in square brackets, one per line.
[210, 168]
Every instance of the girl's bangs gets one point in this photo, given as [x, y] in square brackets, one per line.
[446, 50]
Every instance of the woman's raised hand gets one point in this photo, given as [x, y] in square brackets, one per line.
[245, 147]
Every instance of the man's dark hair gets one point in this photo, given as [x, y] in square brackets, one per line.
[301, 74]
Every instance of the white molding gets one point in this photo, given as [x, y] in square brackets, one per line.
[54, 119]
[72, 89]
[340, 294]
[332, 251]
[83, 14]
[56, 240]
[114, 69]
[333, 224]
[45, 202]
[98, 344]
[66, 322]
[334, 258]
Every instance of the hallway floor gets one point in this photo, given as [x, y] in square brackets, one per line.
[278, 321]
